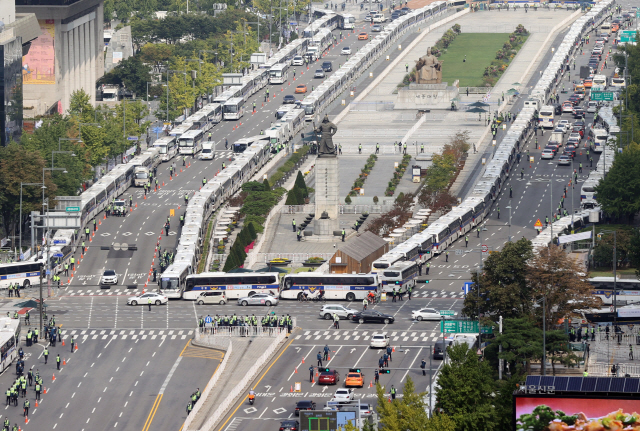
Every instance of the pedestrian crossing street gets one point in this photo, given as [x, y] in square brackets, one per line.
[355, 335]
[82, 335]
[434, 294]
[224, 154]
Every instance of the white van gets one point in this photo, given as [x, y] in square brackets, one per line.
[313, 52]
[605, 28]
[212, 297]
[532, 103]
[592, 106]
[207, 151]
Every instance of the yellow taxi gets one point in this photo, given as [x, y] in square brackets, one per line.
[363, 36]
[354, 379]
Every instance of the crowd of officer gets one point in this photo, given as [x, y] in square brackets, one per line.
[225, 323]
[194, 399]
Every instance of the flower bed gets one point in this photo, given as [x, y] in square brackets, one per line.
[364, 173]
[397, 175]
[504, 55]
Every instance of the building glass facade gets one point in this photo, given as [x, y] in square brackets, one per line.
[11, 90]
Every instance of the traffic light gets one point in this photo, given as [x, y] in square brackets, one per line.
[397, 281]
[385, 371]
[323, 370]
[355, 370]
[426, 281]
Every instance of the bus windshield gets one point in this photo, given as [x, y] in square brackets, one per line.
[230, 109]
[169, 283]
[163, 149]
[381, 265]
[185, 142]
[275, 73]
[142, 175]
[391, 274]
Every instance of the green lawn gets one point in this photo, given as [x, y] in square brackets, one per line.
[480, 49]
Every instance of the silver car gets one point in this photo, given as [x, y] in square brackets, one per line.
[259, 299]
[327, 312]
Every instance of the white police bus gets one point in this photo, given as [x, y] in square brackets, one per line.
[335, 286]
[191, 142]
[401, 276]
[23, 273]
[234, 285]
[174, 279]
[9, 341]
[233, 109]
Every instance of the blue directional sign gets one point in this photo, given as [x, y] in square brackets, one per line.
[59, 241]
[208, 319]
[156, 129]
[467, 287]
[58, 255]
[48, 272]
[132, 138]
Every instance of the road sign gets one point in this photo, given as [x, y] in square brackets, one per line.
[602, 95]
[73, 209]
[466, 287]
[59, 241]
[447, 313]
[485, 248]
[208, 319]
[58, 255]
[132, 138]
[156, 129]
[538, 223]
[48, 272]
[464, 327]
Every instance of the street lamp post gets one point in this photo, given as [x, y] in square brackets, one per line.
[509, 208]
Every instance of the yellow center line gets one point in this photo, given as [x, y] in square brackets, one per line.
[255, 386]
[154, 408]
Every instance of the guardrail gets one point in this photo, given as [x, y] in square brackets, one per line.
[232, 397]
[604, 369]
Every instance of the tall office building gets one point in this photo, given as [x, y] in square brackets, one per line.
[17, 30]
[67, 55]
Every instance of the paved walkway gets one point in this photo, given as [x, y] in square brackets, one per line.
[439, 126]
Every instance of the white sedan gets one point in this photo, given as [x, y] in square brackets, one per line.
[109, 277]
[564, 124]
[547, 154]
[143, 299]
[426, 314]
[343, 395]
[379, 341]
[346, 51]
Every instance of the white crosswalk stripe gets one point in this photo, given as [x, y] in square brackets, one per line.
[124, 334]
[354, 335]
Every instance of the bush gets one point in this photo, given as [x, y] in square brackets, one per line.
[347, 200]
[292, 199]
[252, 231]
[302, 185]
[256, 221]
[266, 185]
[375, 200]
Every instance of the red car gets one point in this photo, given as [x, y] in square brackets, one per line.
[329, 378]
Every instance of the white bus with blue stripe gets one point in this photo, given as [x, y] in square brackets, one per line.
[23, 273]
[234, 285]
[350, 287]
[401, 277]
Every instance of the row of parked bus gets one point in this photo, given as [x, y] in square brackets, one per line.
[473, 210]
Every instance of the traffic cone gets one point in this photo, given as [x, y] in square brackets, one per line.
[371, 384]
[313, 380]
[76, 347]
[62, 343]
[163, 184]
[64, 362]
[54, 378]
[328, 358]
[303, 360]
[36, 403]
[291, 390]
[100, 221]
[26, 419]
[295, 371]
[44, 390]
[393, 349]
[145, 197]
[130, 209]
[105, 217]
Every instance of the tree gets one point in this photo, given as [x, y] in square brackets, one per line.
[634, 251]
[466, 388]
[552, 274]
[408, 412]
[266, 184]
[521, 342]
[19, 164]
[292, 197]
[301, 184]
[209, 76]
[347, 200]
[504, 288]
[131, 73]
[619, 192]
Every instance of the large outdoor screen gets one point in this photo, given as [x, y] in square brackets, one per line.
[554, 413]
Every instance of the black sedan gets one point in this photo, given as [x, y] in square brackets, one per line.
[304, 405]
[289, 98]
[289, 425]
[372, 316]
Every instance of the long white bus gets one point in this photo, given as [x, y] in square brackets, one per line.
[347, 21]
[191, 142]
[279, 73]
[600, 137]
[233, 109]
[168, 147]
[23, 273]
[180, 130]
[626, 289]
[546, 117]
[213, 111]
[234, 285]
[400, 277]
[173, 280]
[385, 261]
[350, 287]
[9, 341]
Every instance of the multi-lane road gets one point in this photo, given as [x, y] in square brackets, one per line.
[135, 369]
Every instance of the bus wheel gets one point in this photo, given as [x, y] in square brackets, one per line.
[351, 296]
[26, 284]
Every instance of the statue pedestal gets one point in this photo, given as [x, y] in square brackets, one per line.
[327, 187]
[426, 96]
[327, 180]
